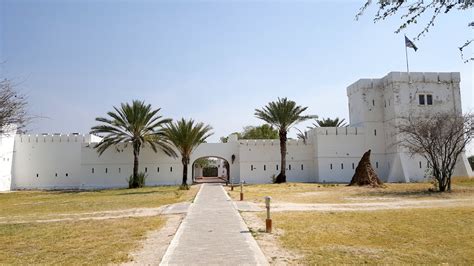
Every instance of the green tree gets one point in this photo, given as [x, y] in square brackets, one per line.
[328, 122]
[282, 114]
[134, 123]
[186, 135]
[264, 131]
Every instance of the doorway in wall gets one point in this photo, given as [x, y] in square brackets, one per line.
[211, 169]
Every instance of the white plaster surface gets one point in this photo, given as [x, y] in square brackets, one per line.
[328, 155]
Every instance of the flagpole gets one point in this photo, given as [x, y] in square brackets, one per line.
[406, 56]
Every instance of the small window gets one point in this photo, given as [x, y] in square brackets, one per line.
[146, 169]
[376, 164]
[373, 102]
[420, 164]
[302, 168]
[106, 170]
[251, 167]
[37, 175]
[67, 174]
[120, 170]
[56, 175]
[289, 167]
[330, 166]
[429, 99]
[277, 167]
[375, 132]
[352, 165]
[157, 169]
[92, 170]
[421, 99]
[342, 166]
[171, 169]
[264, 168]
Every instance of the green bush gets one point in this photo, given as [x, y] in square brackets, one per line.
[138, 181]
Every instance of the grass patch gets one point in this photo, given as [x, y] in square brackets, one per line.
[80, 242]
[414, 236]
[50, 204]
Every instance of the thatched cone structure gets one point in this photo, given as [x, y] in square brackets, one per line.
[365, 174]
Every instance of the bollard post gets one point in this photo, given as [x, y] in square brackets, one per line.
[268, 221]
[241, 191]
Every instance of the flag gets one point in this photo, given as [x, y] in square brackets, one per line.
[410, 44]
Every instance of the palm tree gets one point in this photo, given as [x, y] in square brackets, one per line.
[282, 114]
[134, 123]
[186, 135]
[328, 122]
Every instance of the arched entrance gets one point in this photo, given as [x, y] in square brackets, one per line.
[210, 169]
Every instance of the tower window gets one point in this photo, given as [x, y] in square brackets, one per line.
[251, 167]
[375, 132]
[157, 169]
[421, 99]
[289, 167]
[264, 168]
[302, 168]
[330, 166]
[106, 170]
[67, 174]
[342, 166]
[277, 167]
[119, 170]
[171, 169]
[352, 165]
[376, 164]
[420, 164]
[146, 169]
[92, 170]
[429, 99]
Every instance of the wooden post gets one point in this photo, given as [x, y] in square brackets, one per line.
[268, 221]
[241, 191]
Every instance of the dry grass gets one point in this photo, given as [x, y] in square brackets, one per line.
[50, 204]
[414, 236]
[78, 242]
[71, 243]
[334, 193]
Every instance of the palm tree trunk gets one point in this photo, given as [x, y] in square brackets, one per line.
[185, 162]
[281, 178]
[135, 170]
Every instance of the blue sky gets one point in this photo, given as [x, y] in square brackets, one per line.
[214, 61]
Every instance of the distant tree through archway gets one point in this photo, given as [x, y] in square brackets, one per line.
[210, 169]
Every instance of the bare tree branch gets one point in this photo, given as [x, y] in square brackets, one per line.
[12, 108]
[440, 139]
[411, 11]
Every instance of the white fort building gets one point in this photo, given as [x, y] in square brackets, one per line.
[329, 154]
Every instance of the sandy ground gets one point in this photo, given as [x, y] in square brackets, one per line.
[153, 248]
[387, 204]
[275, 254]
[103, 215]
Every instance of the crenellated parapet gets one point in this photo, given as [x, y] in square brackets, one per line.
[270, 142]
[56, 138]
[339, 131]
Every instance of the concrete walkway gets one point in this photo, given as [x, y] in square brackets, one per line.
[213, 233]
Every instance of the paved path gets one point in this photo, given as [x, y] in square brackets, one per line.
[213, 233]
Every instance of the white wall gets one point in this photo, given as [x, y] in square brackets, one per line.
[375, 108]
[6, 159]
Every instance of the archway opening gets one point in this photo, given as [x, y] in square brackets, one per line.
[210, 169]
